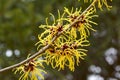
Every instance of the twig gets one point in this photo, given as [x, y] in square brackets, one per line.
[47, 46]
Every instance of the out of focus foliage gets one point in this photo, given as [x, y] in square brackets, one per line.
[19, 21]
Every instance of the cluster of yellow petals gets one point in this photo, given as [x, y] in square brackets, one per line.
[50, 31]
[100, 3]
[66, 54]
[31, 70]
[103, 2]
[83, 25]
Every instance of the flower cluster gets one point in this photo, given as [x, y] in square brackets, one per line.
[83, 25]
[103, 2]
[100, 3]
[66, 53]
[31, 70]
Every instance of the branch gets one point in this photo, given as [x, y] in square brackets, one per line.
[47, 46]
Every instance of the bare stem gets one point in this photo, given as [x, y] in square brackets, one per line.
[47, 46]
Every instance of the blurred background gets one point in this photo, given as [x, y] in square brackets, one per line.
[19, 21]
